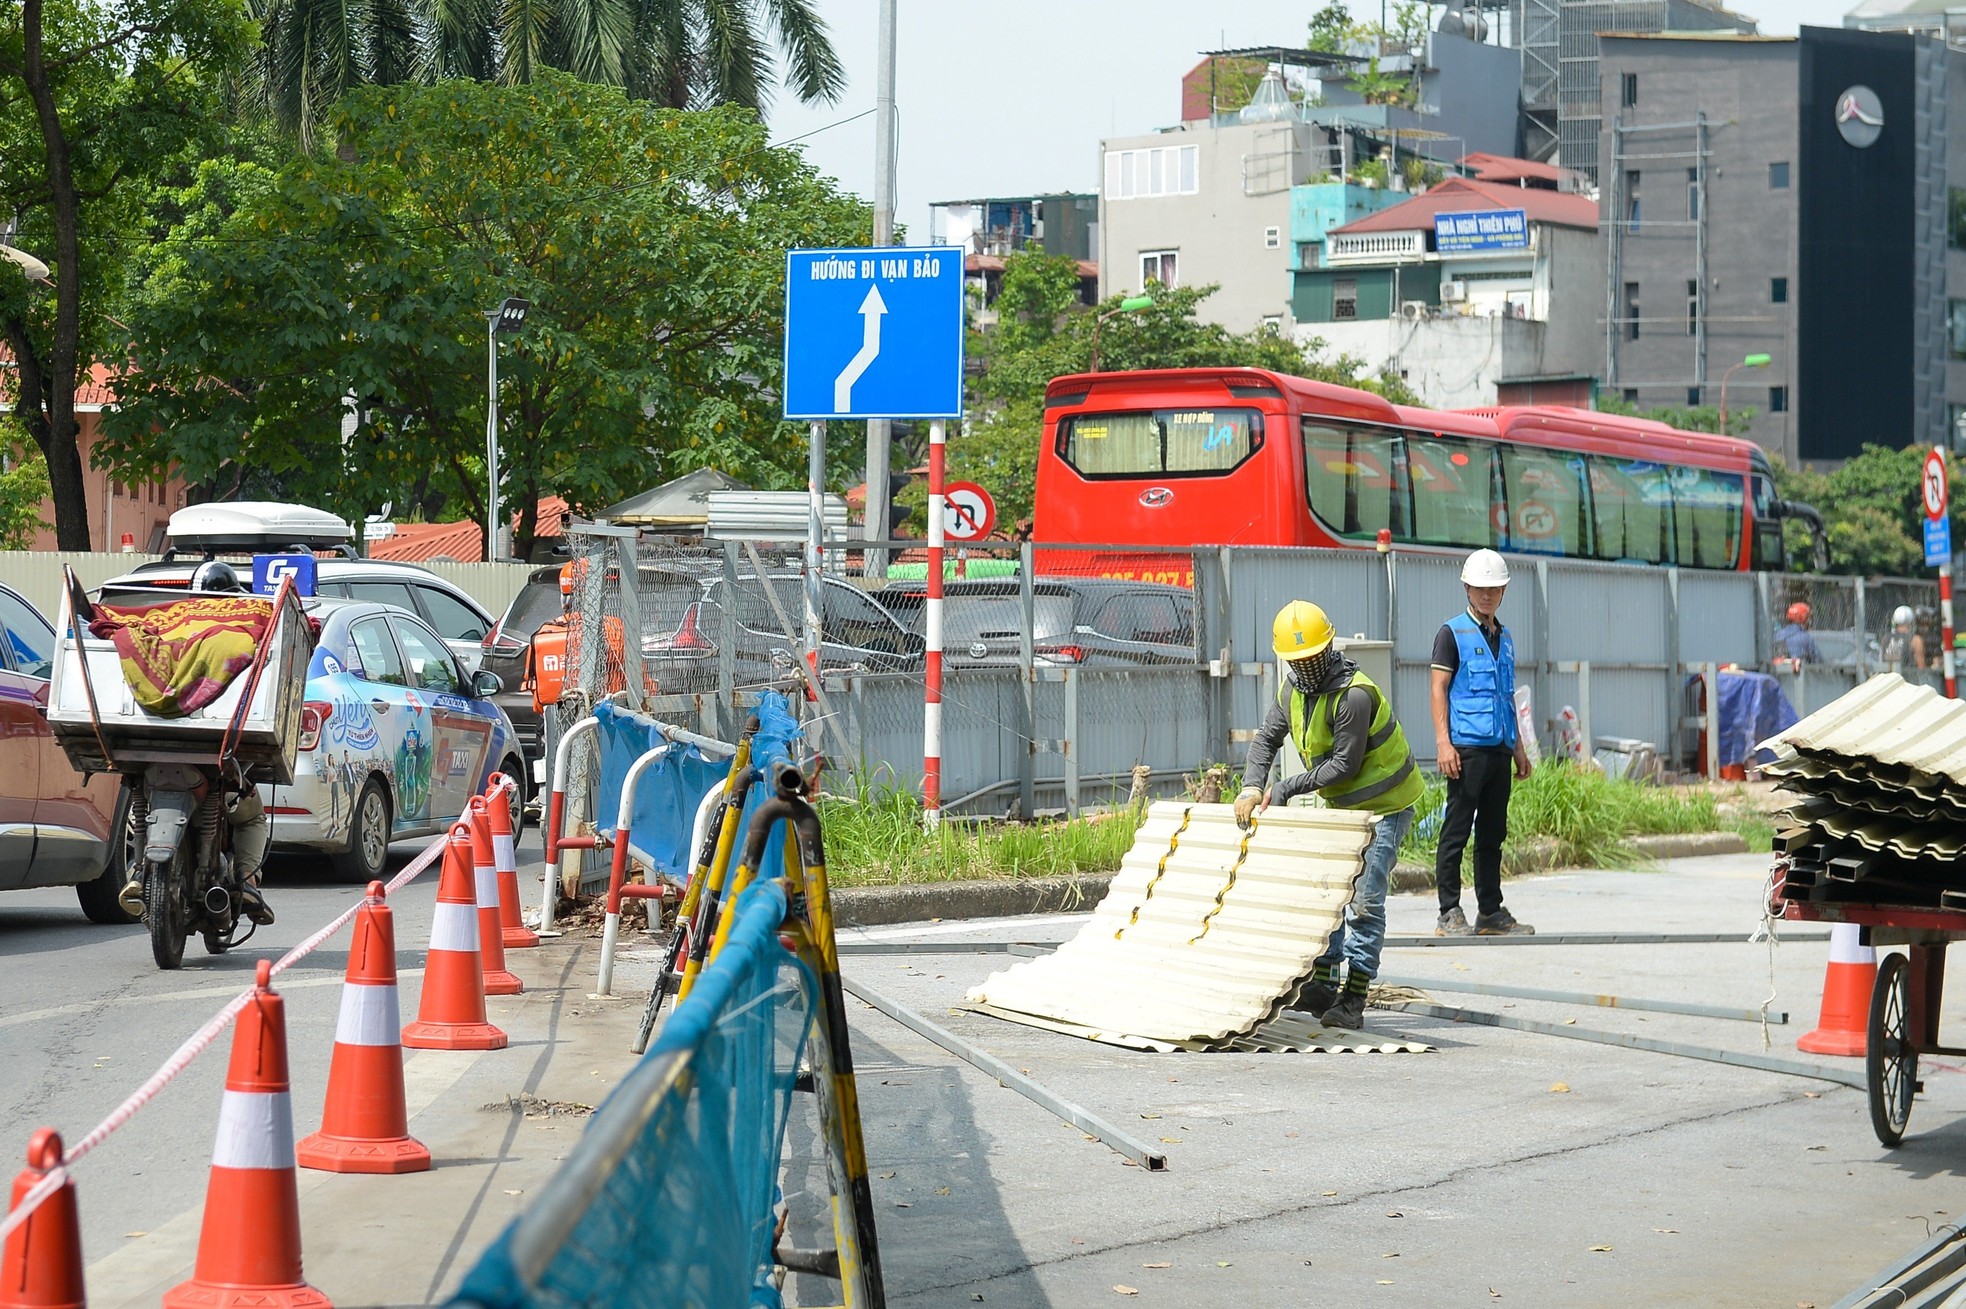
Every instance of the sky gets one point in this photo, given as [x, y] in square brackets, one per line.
[1012, 97]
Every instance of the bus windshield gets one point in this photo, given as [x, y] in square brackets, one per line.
[1160, 442]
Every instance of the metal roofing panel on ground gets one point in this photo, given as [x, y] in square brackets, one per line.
[1886, 720]
[1203, 931]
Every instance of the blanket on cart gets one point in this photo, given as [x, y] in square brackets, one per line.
[180, 656]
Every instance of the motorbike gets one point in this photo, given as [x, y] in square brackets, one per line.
[199, 838]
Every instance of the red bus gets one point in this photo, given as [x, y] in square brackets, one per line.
[1243, 456]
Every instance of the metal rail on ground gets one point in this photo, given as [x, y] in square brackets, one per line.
[1587, 998]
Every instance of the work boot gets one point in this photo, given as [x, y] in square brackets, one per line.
[1348, 1012]
[254, 905]
[1313, 997]
[1501, 923]
[130, 898]
[1453, 923]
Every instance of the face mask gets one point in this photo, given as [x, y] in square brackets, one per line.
[1305, 674]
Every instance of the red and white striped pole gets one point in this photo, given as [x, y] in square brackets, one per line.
[938, 439]
[1945, 627]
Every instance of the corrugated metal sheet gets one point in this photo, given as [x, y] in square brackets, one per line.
[772, 516]
[1888, 721]
[1202, 933]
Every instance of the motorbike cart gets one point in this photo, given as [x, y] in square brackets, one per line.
[197, 831]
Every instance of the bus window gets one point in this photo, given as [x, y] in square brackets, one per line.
[1545, 502]
[1706, 517]
[1356, 480]
[1172, 442]
[1631, 501]
[1453, 490]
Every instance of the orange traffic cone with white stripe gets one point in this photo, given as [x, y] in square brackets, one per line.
[505, 858]
[249, 1246]
[1845, 1020]
[41, 1267]
[484, 879]
[366, 1127]
[451, 1015]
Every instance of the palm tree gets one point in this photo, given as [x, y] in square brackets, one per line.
[678, 53]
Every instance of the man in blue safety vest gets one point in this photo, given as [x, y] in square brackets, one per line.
[1356, 758]
[1478, 749]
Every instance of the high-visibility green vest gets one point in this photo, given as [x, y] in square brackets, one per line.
[1388, 782]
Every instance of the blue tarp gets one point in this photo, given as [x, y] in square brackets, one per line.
[1753, 708]
[669, 791]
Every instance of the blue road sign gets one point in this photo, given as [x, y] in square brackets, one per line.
[874, 333]
[269, 569]
[1938, 541]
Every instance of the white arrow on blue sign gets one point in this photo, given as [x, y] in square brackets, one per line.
[874, 333]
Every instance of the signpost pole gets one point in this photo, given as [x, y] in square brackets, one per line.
[1934, 491]
[938, 436]
[815, 540]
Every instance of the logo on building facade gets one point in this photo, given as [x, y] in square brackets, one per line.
[1859, 116]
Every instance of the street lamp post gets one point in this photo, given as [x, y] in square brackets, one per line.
[1133, 304]
[504, 320]
[1752, 361]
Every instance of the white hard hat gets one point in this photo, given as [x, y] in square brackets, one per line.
[1485, 568]
[1902, 616]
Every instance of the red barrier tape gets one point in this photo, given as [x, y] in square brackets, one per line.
[196, 1045]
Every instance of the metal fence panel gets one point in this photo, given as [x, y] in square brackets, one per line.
[1719, 614]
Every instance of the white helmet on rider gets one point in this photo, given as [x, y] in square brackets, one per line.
[1902, 616]
[1485, 568]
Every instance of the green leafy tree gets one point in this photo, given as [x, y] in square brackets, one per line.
[1043, 332]
[1872, 508]
[97, 99]
[23, 489]
[682, 54]
[1332, 30]
[348, 294]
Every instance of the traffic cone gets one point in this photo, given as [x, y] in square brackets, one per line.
[1846, 995]
[366, 1128]
[249, 1246]
[505, 857]
[451, 1015]
[484, 879]
[41, 1267]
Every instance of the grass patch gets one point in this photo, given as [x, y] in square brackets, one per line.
[1588, 817]
[875, 837]
[1758, 830]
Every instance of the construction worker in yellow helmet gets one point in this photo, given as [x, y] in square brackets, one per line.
[1356, 757]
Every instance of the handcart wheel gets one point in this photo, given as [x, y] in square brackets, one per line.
[1890, 1058]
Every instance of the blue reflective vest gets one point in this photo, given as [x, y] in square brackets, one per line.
[1481, 698]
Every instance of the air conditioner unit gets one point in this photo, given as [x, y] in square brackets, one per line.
[1453, 292]
[1413, 310]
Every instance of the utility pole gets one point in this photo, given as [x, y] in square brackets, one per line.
[879, 432]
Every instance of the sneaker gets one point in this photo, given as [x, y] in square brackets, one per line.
[1453, 923]
[1313, 997]
[255, 906]
[130, 898]
[1348, 1012]
[1501, 923]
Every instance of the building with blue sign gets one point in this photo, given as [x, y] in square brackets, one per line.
[1481, 290]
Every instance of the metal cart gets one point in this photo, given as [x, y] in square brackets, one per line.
[1904, 1004]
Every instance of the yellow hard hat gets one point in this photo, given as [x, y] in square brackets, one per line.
[1301, 630]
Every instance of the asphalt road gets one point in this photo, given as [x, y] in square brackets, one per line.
[1502, 1167]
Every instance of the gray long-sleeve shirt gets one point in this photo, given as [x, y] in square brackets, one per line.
[1351, 725]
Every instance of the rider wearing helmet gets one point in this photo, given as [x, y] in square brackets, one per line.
[1905, 648]
[1476, 742]
[1357, 758]
[1794, 640]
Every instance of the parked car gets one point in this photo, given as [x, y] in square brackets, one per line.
[57, 827]
[236, 531]
[857, 630]
[396, 737]
[1075, 620]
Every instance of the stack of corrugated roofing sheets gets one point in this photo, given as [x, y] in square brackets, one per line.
[1881, 819]
[1204, 932]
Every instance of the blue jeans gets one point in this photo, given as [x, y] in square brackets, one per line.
[1361, 934]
